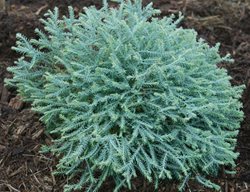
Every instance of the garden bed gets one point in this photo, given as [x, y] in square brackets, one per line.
[23, 168]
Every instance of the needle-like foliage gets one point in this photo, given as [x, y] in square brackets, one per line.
[129, 94]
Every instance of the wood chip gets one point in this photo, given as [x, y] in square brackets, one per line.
[16, 103]
[41, 9]
[37, 134]
[2, 147]
[20, 129]
[16, 172]
[5, 95]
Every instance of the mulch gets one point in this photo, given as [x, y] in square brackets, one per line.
[24, 169]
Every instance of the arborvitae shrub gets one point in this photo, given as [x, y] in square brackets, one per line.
[129, 94]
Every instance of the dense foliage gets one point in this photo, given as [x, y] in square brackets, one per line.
[127, 94]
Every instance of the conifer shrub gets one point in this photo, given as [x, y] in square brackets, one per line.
[127, 94]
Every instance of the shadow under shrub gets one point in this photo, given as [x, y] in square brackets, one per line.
[129, 94]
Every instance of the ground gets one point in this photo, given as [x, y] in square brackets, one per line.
[23, 168]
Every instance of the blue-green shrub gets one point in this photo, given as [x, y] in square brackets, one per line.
[129, 94]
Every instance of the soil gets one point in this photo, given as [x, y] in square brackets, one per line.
[24, 169]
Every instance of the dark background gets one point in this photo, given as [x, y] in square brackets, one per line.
[23, 168]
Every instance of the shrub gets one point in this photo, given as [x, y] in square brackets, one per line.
[129, 94]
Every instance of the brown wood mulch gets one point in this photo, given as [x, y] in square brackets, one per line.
[24, 169]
